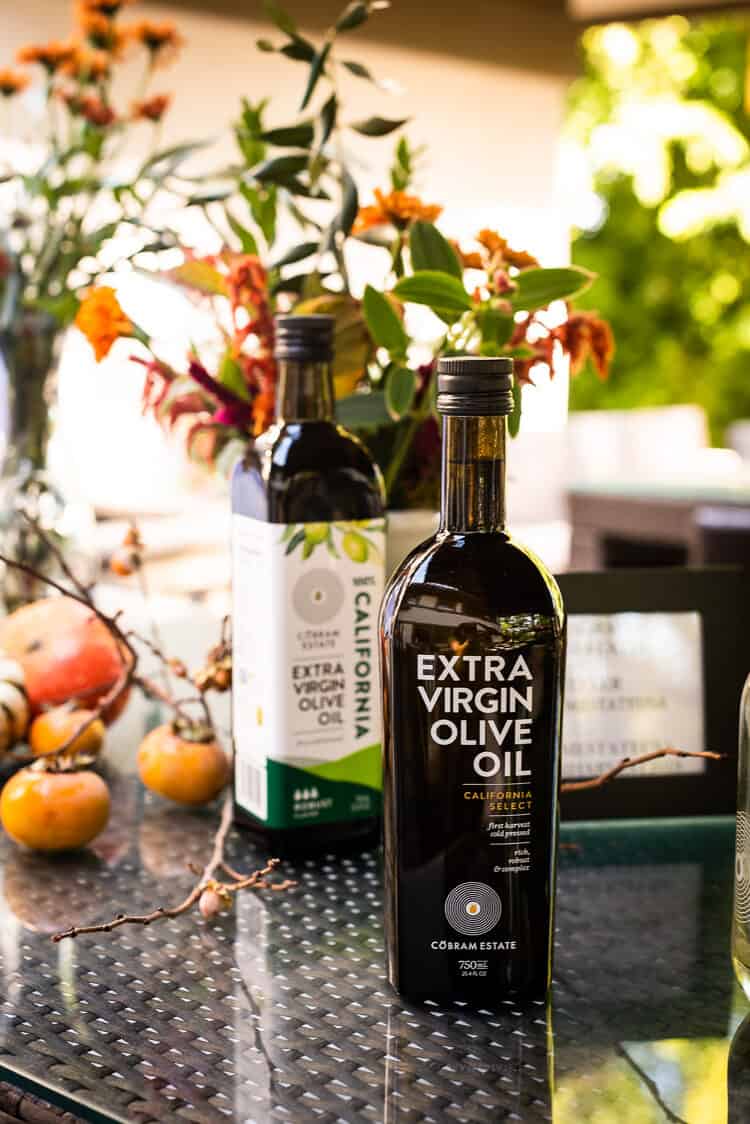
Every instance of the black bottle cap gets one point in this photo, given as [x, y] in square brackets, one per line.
[475, 385]
[304, 338]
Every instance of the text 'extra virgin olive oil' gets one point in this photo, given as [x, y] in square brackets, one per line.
[473, 641]
[308, 547]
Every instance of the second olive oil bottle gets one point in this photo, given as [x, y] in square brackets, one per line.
[308, 547]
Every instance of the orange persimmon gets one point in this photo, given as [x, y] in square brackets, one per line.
[49, 811]
[188, 772]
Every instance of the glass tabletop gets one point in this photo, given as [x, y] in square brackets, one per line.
[280, 1010]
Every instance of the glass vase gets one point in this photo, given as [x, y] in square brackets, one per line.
[741, 921]
[29, 349]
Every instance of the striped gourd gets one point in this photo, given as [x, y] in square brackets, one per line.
[14, 703]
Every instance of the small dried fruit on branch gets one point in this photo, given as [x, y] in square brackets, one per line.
[210, 903]
[185, 765]
[54, 811]
[55, 728]
[124, 562]
[216, 676]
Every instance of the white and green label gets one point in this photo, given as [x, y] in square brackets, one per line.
[306, 697]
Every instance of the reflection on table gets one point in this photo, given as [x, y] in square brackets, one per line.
[281, 1010]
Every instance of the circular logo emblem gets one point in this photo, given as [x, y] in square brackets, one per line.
[472, 908]
[318, 596]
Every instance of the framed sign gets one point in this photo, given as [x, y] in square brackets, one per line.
[656, 658]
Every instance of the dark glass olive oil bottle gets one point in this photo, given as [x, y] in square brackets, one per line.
[473, 640]
[308, 546]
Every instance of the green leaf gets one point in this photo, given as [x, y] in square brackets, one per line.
[248, 242]
[280, 168]
[328, 118]
[172, 156]
[316, 69]
[230, 375]
[201, 276]
[299, 49]
[400, 388]
[357, 69]
[265, 45]
[295, 540]
[514, 420]
[496, 328]
[293, 284]
[444, 294]
[297, 187]
[385, 326]
[63, 308]
[363, 411]
[297, 253]
[349, 205]
[281, 18]
[539, 287]
[431, 250]
[291, 136]
[378, 126]
[344, 220]
[262, 204]
[353, 15]
[201, 198]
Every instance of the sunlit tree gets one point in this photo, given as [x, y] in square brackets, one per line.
[657, 166]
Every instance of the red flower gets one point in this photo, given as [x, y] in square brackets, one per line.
[152, 109]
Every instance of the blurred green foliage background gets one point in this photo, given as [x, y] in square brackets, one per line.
[657, 166]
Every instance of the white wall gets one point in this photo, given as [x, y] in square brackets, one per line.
[491, 128]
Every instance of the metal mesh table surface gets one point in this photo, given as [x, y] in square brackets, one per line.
[280, 1010]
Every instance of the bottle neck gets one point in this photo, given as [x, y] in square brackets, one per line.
[305, 391]
[473, 474]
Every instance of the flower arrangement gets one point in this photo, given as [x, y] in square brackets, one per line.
[489, 297]
[62, 201]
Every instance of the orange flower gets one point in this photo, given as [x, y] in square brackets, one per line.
[88, 66]
[585, 335]
[520, 259]
[102, 321]
[52, 56]
[492, 241]
[102, 33]
[12, 82]
[264, 410]
[108, 8]
[501, 253]
[246, 280]
[397, 208]
[470, 259]
[161, 40]
[152, 109]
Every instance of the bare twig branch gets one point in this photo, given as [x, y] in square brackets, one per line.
[631, 762]
[651, 1085]
[258, 879]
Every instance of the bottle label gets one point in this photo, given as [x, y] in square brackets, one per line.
[485, 708]
[306, 697]
[476, 725]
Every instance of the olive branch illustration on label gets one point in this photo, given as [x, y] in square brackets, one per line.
[351, 538]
